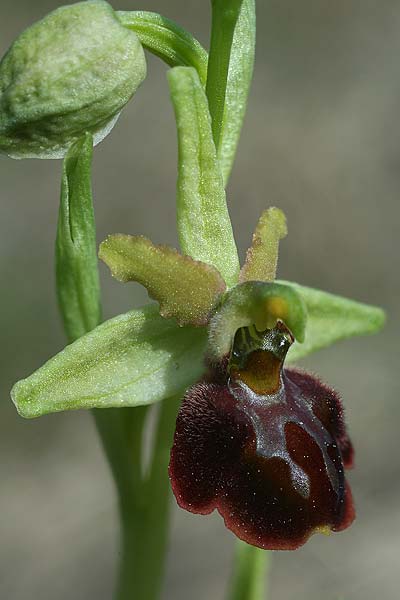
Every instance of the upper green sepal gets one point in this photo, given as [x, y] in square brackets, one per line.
[134, 359]
[332, 318]
[204, 227]
[70, 73]
[187, 290]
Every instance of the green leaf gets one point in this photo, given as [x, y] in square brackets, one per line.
[204, 226]
[262, 256]
[167, 40]
[187, 290]
[332, 318]
[134, 359]
[240, 75]
[76, 257]
[225, 15]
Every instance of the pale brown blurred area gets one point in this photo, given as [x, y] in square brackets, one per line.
[321, 141]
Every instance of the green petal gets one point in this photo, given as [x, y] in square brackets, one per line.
[332, 318]
[187, 290]
[167, 40]
[134, 359]
[204, 226]
[238, 85]
[262, 256]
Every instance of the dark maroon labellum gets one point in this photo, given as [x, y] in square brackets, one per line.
[264, 445]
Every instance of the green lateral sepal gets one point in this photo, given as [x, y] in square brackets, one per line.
[331, 319]
[134, 359]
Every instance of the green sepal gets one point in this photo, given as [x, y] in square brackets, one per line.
[332, 318]
[240, 75]
[167, 40]
[187, 290]
[77, 275]
[255, 303]
[262, 256]
[134, 359]
[204, 226]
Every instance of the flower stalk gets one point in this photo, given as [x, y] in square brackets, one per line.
[145, 513]
[250, 570]
[167, 40]
[143, 496]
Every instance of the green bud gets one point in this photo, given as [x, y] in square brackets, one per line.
[68, 74]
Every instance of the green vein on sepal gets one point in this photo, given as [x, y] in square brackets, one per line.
[134, 359]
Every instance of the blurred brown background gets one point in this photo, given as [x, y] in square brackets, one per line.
[322, 141]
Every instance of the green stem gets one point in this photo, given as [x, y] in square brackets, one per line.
[145, 524]
[249, 577]
[225, 14]
[143, 501]
[167, 40]
[121, 433]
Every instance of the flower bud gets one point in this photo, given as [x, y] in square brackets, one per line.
[70, 73]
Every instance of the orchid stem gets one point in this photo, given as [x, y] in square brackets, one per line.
[145, 518]
[143, 497]
[249, 580]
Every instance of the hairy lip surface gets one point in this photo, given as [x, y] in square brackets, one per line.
[272, 465]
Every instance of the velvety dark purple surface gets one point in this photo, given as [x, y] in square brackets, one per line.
[273, 466]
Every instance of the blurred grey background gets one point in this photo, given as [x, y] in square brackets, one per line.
[321, 141]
